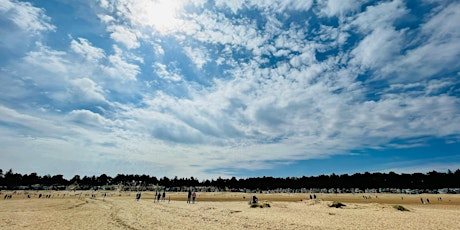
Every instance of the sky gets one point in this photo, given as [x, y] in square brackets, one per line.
[217, 88]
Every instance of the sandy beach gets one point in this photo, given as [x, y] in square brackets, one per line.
[79, 210]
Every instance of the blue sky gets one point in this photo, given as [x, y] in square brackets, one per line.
[210, 88]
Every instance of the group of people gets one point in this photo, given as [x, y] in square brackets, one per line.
[191, 197]
[428, 200]
[159, 196]
[47, 196]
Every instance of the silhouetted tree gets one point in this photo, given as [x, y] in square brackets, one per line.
[75, 180]
[431, 180]
[31, 179]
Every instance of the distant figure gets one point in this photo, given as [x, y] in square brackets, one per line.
[427, 200]
[193, 196]
[163, 197]
[189, 196]
[155, 197]
[314, 196]
[255, 200]
[158, 197]
[311, 197]
[421, 200]
[138, 196]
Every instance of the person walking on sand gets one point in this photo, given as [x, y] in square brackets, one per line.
[193, 196]
[255, 200]
[163, 197]
[189, 196]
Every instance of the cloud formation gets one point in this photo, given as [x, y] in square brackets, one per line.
[215, 87]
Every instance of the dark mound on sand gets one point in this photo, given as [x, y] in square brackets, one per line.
[401, 208]
[336, 205]
[264, 204]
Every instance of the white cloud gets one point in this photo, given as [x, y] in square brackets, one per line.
[88, 118]
[277, 6]
[162, 16]
[80, 75]
[106, 18]
[32, 124]
[378, 48]
[293, 5]
[85, 48]
[126, 36]
[162, 71]
[442, 26]
[26, 16]
[234, 6]
[382, 15]
[339, 7]
[87, 89]
[198, 55]
[119, 68]
[47, 59]
[437, 51]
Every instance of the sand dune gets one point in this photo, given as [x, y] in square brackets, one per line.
[227, 211]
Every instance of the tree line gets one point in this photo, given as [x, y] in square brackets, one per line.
[430, 180]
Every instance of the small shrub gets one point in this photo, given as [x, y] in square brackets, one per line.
[401, 208]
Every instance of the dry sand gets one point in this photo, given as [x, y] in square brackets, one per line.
[69, 210]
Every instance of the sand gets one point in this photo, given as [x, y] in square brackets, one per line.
[70, 210]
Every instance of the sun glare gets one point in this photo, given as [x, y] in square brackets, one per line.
[163, 15]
